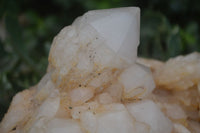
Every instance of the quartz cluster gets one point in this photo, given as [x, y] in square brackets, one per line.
[96, 84]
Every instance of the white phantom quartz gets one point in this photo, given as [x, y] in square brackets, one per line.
[120, 28]
[93, 84]
[101, 37]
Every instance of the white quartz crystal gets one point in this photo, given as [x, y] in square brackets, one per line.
[119, 27]
[81, 95]
[180, 73]
[137, 81]
[180, 128]
[50, 106]
[93, 84]
[63, 126]
[149, 113]
[111, 121]
[98, 37]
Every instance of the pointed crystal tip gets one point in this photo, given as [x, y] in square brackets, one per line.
[120, 27]
[106, 38]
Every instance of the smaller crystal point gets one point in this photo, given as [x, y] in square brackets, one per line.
[120, 27]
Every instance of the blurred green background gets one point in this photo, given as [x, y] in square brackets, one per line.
[168, 28]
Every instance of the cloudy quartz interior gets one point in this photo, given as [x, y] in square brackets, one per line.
[96, 84]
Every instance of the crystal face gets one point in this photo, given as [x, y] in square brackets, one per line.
[96, 84]
[108, 37]
[120, 28]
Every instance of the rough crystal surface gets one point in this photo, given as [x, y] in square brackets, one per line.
[96, 84]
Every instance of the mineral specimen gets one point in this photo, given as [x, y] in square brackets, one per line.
[96, 84]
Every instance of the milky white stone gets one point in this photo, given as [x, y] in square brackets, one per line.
[17, 111]
[38, 126]
[194, 126]
[81, 95]
[137, 81]
[103, 37]
[44, 81]
[179, 73]
[115, 120]
[119, 27]
[98, 52]
[45, 87]
[115, 90]
[63, 50]
[76, 111]
[180, 128]
[148, 112]
[141, 127]
[50, 106]
[101, 79]
[174, 111]
[89, 121]
[63, 126]
[45, 112]
[105, 98]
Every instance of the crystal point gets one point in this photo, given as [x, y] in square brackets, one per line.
[94, 85]
[119, 27]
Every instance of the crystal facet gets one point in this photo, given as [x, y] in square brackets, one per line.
[94, 84]
[119, 27]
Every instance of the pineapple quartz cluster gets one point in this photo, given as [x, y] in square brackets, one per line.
[96, 84]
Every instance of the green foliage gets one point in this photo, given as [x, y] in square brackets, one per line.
[168, 28]
[161, 39]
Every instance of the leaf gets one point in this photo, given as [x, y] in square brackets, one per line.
[154, 30]
[2, 50]
[15, 36]
[5, 83]
[174, 42]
